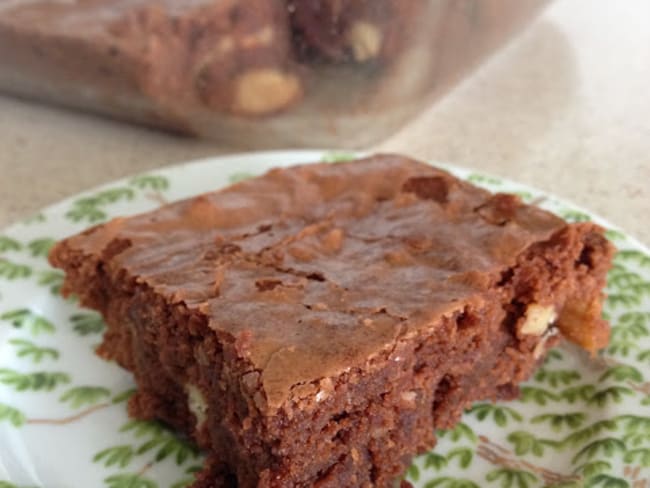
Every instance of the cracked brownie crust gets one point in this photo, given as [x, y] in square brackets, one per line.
[312, 326]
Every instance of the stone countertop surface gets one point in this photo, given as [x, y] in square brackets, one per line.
[564, 108]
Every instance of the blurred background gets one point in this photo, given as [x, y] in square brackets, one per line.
[553, 94]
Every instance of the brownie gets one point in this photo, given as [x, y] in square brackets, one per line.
[312, 326]
[161, 57]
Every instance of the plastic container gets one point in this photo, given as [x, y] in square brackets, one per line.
[253, 73]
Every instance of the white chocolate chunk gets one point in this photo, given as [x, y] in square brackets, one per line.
[538, 319]
[265, 90]
[365, 40]
[197, 404]
[408, 399]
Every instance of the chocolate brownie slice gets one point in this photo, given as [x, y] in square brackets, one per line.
[311, 327]
[153, 59]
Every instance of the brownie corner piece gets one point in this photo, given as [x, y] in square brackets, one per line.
[312, 326]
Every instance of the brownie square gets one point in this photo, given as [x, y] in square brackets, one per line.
[312, 326]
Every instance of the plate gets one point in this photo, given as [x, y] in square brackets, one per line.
[580, 421]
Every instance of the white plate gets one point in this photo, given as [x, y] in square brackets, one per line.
[63, 422]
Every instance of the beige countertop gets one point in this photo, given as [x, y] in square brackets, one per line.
[565, 108]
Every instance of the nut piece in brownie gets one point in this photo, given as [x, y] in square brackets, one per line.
[353, 30]
[313, 325]
[228, 55]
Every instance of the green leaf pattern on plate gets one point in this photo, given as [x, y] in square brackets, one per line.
[95, 207]
[89, 207]
[9, 244]
[27, 349]
[25, 318]
[579, 422]
[10, 270]
[11, 414]
[41, 246]
[87, 323]
[239, 176]
[34, 381]
[129, 480]
[52, 279]
[337, 157]
[154, 182]
[80, 396]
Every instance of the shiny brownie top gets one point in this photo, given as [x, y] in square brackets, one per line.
[316, 268]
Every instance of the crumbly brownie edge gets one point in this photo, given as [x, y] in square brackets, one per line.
[552, 273]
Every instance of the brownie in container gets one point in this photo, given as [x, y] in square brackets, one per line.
[312, 326]
[253, 73]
